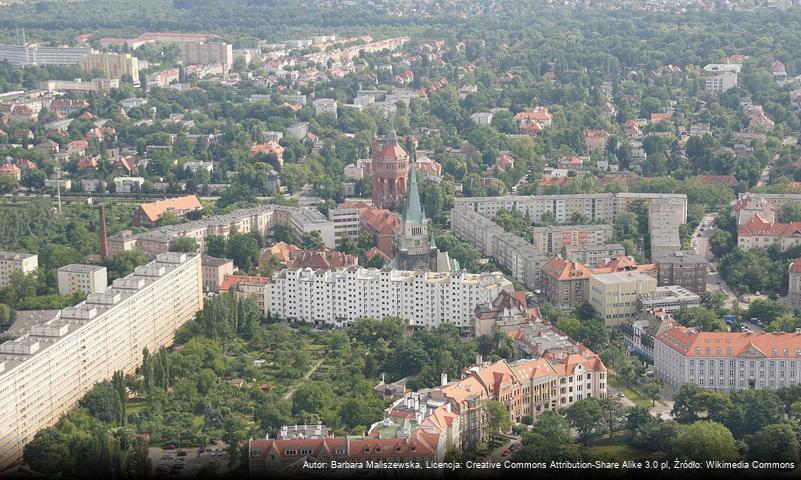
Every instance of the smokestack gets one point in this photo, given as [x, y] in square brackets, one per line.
[102, 233]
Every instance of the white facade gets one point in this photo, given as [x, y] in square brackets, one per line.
[128, 184]
[45, 372]
[347, 221]
[325, 105]
[728, 360]
[87, 279]
[194, 53]
[11, 262]
[422, 299]
[24, 56]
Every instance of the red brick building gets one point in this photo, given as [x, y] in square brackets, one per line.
[390, 169]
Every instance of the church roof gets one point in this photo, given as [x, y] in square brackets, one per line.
[414, 211]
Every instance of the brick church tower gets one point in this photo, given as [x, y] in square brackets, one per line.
[390, 170]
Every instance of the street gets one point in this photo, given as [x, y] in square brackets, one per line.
[714, 282]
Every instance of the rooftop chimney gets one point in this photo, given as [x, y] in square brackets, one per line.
[443, 379]
[102, 233]
[479, 359]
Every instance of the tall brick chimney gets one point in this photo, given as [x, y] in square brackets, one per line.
[102, 233]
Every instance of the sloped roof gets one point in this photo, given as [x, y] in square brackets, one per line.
[153, 211]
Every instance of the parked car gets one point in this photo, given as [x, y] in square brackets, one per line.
[182, 453]
[169, 446]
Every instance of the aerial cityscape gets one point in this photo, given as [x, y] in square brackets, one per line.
[260, 238]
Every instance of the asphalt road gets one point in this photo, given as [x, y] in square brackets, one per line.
[192, 461]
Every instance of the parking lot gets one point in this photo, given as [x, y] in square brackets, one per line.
[173, 464]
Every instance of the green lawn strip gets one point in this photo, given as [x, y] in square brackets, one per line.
[630, 393]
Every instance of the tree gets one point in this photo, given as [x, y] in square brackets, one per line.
[183, 244]
[790, 213]
[553, 427]
[587, 416]
[701, 318]
[626, 371]
[100, 401]
[216, 246]
[284, 233]
[693, 403]
[312, 241]
[6, 314]
[499, 421]
[7, 184]
[170, 218]
[48, 452]
[713, 301]
[774, 443]
[124, 263]
[652, 390]
[244, 250]
[307, 398]
[704, 441]
[615, 409]
[753, 410]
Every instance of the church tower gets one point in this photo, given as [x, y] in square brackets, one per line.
[414, 248]
[389, 167]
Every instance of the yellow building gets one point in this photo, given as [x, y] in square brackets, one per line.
[113, 65]
[614, 295]
[45, 371]
[11, 262]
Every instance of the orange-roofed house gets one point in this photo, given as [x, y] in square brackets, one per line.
[149, 214]
[281, 251]
[657, 118]
[88, 163]
[77, 147]
[595, 140]
[759, 233]
[11, 170]
[737, 360]
[623, 263]
[718, 180]
[565, 284]
[272, 150]
[248, 286]
[571, 162]
[25, 164]
[504, 162]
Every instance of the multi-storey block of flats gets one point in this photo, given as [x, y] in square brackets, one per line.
[46, 370]
[259, 220]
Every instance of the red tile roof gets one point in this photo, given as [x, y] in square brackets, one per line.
[181, 205]
[732, 344]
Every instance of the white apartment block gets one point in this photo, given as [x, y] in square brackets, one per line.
[347, 221]
[45, 372]
[523, 259]
[720, 82]
[728, 360]
[86, 279]
[551, 239]
[128, 184]
[11, 262]
[259, 220]
[24, 56]
[325, 105]
[422, 299]
[113, 65]
[199, 53]
[599, 206]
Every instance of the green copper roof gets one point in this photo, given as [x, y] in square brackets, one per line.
[414, 211]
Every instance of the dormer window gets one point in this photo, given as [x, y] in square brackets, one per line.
[366, 449]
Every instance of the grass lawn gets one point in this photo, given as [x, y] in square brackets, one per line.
[620, 451]
[630, 393]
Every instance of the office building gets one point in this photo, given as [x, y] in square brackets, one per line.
[668, 298]
[422, 299]
[47, 370]
[85, 279]
[728, 361]
[11, 262]
[685, 269]
[614, 295]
